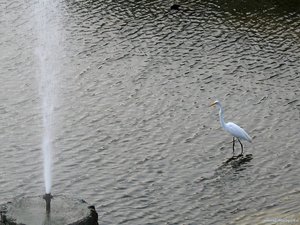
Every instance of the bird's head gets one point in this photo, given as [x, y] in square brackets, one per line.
[215, 103]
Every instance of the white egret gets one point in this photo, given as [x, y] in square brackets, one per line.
[235, 130]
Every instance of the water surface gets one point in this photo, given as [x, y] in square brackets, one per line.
[133, 133]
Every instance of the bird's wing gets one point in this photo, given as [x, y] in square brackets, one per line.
[237, 131]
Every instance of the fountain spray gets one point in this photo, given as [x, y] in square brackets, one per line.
[47, 52]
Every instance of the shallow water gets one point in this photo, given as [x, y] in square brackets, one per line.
[133, 133]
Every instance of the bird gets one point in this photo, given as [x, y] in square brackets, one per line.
[232, 128]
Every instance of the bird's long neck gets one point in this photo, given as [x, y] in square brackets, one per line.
[221, 115]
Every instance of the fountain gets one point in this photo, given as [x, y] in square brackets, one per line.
[48, 198]
[58, 210]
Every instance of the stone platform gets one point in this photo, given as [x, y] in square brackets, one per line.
[32, 211]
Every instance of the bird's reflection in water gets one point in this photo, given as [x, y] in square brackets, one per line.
[230, 168]
[237, 161]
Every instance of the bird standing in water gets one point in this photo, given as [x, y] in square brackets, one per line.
[235, 130]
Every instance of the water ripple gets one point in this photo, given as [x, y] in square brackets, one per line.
[134, 134]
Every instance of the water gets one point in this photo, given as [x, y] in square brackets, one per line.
[133, 131]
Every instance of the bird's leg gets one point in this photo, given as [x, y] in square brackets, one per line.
[233, 143]
[241, 147]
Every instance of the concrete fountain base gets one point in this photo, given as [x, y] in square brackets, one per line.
[32, 211]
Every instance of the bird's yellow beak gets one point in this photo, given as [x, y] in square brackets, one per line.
[212, 104]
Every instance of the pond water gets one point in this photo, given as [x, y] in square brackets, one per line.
[132, 130]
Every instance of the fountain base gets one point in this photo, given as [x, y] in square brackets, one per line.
[48, 198]
[32, 211]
